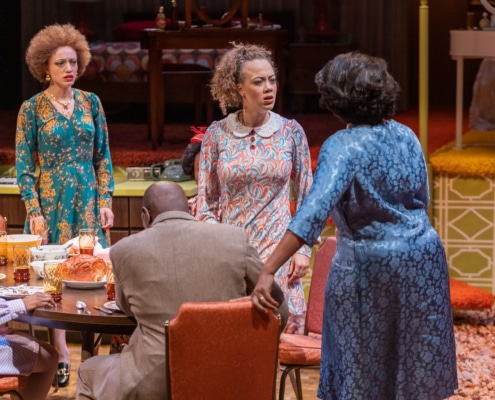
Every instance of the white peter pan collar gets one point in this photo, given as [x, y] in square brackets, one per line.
[266, 130]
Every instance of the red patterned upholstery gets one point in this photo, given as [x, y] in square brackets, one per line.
[304, 351]
[222, 350]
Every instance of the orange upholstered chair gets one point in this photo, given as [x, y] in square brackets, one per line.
[222, 350]
[304, 351]
[10, 384]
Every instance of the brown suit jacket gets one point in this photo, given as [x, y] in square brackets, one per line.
[177, 259]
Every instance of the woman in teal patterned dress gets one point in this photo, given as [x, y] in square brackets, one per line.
[64, 131]
[387, 321]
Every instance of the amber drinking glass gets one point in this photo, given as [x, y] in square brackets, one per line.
[86, 241]
[52, 279]
[3, 248]
[22, 261]
[110, 282]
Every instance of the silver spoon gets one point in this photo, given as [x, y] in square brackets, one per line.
[81, 305]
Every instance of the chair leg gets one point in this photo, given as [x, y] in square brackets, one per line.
[51, 340]
[294, 374]
[295, 380]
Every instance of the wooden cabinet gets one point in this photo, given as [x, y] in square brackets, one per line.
[127, 211]
[12, 208]
[305, 60]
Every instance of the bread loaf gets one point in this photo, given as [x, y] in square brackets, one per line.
[84, 268]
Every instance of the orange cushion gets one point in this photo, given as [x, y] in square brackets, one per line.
[299, 349]
[465, 296]
[12, 382]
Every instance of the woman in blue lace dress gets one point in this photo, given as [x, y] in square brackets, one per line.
[388, 329]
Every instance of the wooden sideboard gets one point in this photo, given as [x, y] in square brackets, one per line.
[126, 206]
[127, 211]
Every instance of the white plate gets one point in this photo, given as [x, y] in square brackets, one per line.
[85, 285]
[15, 292]
[111, 306]
[2, 277]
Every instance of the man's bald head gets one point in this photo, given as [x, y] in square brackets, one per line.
[164, 196]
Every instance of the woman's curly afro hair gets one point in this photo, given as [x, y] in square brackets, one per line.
[49, 39]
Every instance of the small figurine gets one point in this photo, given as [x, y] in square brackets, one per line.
[161, 21]
[485, 21]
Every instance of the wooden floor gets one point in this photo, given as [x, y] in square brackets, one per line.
[309, 379]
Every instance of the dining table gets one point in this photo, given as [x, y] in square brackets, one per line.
[91, 323]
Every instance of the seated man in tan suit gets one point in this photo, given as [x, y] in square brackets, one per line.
[177, 259]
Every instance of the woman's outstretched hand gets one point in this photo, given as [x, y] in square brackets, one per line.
[261, 295]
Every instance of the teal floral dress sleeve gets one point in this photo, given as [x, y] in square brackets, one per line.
[75, 177]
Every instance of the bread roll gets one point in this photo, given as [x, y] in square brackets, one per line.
[84, 268]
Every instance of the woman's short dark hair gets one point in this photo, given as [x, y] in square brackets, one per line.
[358, 88]
[188, 158]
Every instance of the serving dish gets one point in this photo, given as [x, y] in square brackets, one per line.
[38, 266]
[50, 252]
[85, 285]
[8, 242]
[16, 292]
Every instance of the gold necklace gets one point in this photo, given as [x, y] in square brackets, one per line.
[65, 111]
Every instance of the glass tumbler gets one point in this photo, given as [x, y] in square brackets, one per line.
[22, 261]
[86, 241]
[110, 282]
[52, 279]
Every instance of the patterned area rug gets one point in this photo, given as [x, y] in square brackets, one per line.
[475, 348]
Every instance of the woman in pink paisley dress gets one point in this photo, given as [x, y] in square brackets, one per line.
[253, 161]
